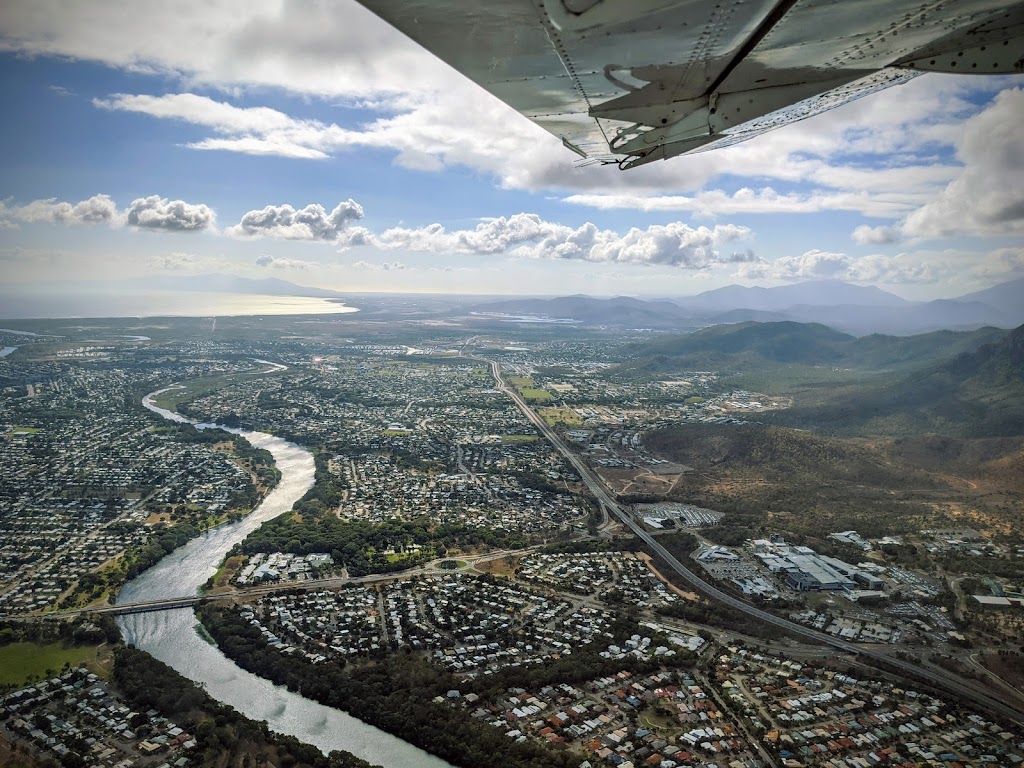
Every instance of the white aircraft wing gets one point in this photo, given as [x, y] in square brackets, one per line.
[631, 81]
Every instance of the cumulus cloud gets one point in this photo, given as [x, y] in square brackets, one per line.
[527, 235]
[97, 209]
[311, 223]
[152, 213]
[156, 213]
[988, 195]
[881, 235]
[826, 265]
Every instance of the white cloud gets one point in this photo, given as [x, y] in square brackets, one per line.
[336, 49]
[312, 223]
[152, 213]
[155, 213]
[97, 209]
[881, 235]
[251, 130]
[432, 134]
[527, 235]
[988, 195]
[825, 265]
[886, 156]
[716, 202]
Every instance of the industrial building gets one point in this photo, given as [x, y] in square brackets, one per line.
[807, 571]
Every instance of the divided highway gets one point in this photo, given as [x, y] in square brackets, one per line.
[956, 687]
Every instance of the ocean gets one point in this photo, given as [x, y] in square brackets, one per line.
[24, 305]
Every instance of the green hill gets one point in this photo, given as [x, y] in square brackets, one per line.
[782, 342]
[750, 345]
[979, 393]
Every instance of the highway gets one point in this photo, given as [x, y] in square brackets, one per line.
[958, 688]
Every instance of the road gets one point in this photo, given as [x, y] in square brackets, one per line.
[187, 601]
[956, 687]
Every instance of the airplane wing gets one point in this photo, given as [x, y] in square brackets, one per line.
[632, 81]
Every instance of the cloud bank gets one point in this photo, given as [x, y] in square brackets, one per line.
[527, 235]
[97, 209]
[154, 213]
[825, 265]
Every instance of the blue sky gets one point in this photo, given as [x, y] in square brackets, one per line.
[311, 142]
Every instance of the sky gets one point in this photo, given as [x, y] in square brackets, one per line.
[309, 141]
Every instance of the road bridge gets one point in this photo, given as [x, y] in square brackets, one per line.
[189, 601]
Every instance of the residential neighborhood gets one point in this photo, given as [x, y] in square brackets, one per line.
[76, 714]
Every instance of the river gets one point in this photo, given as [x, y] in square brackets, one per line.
[171, 636]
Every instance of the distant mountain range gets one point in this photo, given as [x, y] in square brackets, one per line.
[854, 309]
[783, 297]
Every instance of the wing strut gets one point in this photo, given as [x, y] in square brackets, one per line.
[770, 22]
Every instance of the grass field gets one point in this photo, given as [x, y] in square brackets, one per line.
[189, 389]
[565, 417]
[201, 386]
[537, 395]
[504, 566]
[519, 438]
[20, 662]
[528, 389]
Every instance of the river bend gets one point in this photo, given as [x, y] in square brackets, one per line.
[171, 636]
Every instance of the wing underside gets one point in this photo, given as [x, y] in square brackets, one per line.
[631, 81]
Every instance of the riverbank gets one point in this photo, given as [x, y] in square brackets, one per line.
[172, 525]
[170, 636]
[404, 694]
